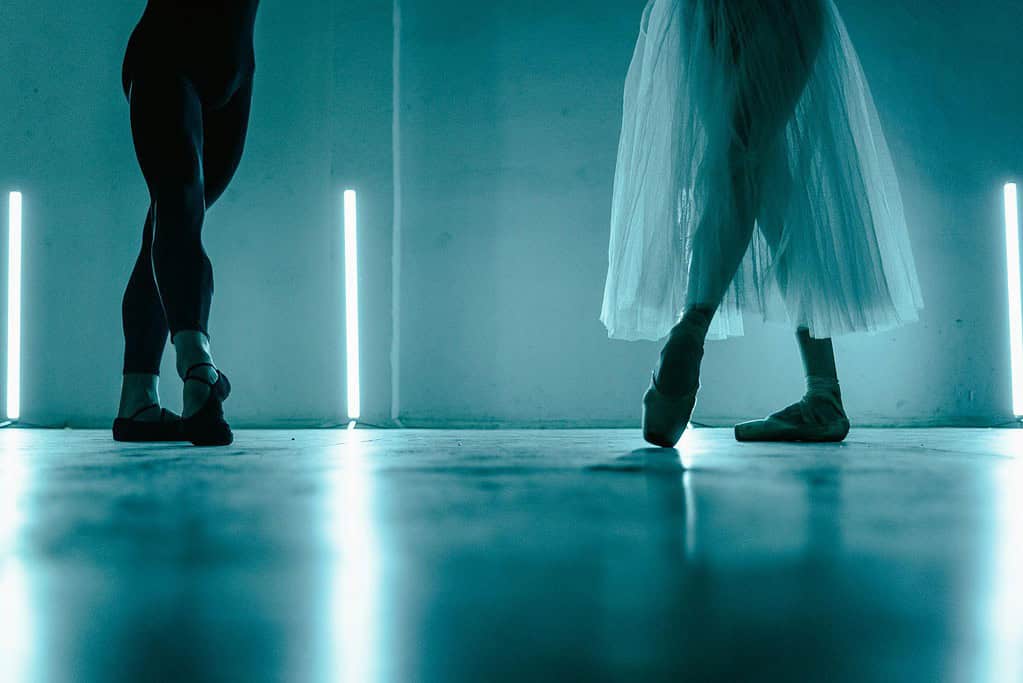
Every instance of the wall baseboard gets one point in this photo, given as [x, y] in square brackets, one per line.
[978, 422]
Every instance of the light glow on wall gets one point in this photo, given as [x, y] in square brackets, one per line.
[1015, 299]
[352, 304]
[14, 307]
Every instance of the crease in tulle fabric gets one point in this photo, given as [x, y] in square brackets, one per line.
[841, 261]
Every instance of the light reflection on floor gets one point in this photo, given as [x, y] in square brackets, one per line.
[356, 591]
[1006, 597]
[466, 556]
[16, 618]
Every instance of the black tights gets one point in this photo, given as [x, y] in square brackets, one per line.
[188, 153]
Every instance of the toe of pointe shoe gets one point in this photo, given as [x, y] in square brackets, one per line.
[772, 429]
[665, 418]
[759, 430]
[662, 440]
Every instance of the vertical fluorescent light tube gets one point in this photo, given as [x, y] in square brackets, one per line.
[352, 304]
[1012, 228]
[14, 308]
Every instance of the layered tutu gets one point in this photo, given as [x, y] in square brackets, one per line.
[754, 116]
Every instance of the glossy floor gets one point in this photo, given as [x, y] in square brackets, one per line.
[483, 556]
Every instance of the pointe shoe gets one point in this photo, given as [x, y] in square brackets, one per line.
[797, 423]
[208, 426]
[665, 418]
[132, 430]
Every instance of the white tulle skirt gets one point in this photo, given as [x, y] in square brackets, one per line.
[753, 173]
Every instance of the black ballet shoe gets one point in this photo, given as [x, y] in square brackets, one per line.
[208, 426]
[131, 430]
[665, 418]
[796, 424]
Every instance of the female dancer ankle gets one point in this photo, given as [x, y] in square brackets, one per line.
[752, 168]
[188, 75]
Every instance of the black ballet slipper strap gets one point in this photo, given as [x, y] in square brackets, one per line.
[188, 374]
[142, 410]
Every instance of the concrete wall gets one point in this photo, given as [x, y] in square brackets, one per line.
[510, 116]
[321, 121]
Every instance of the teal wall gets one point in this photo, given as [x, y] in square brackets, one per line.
[509, 115]
[321, 121]
[510, 119]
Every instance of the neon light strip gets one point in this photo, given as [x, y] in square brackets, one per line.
[396, 228]
[1015, 298]
[14, 308]
[352, 304]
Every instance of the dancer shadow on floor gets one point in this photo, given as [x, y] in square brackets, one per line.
[644, 460]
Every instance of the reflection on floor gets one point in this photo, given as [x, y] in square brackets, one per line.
[488, 556]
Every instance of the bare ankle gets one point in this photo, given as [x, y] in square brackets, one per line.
[192, 348]
[138, 391]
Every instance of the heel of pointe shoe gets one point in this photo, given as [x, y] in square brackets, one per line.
[665, 418]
